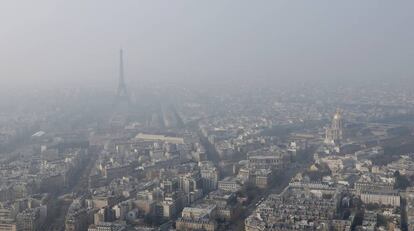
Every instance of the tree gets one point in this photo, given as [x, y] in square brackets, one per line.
[401, 181]
[381, 221]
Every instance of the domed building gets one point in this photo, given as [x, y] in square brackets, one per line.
[333, 135]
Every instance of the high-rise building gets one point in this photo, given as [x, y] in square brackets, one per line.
[28, 220]
[191, 185]
[189, 182]
[7, 225]
[209, 175]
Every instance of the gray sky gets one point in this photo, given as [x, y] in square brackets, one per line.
[64, 41]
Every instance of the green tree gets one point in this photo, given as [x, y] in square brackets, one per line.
[401, 181]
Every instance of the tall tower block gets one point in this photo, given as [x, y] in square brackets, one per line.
[122, 93]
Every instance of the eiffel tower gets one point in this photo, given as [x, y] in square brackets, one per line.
[122, 95]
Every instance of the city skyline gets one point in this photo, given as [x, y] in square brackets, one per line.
[206, 115]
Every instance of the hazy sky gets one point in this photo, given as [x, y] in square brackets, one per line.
[65, 41]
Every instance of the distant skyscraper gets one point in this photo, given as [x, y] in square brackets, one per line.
[334, 132]
[209, 175]
[122, 95]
